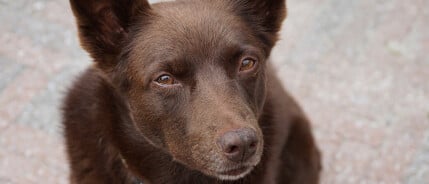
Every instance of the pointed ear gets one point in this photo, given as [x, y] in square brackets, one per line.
[266, 16]
[103, 26]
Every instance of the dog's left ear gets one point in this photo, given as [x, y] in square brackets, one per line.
[265, 16]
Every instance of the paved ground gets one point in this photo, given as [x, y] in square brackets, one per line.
[359, 68]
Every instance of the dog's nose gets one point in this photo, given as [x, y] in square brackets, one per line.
[239, 145]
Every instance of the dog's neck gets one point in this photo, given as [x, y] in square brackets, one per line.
[134, 179]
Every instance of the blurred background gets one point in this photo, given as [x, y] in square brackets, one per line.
[359, 69]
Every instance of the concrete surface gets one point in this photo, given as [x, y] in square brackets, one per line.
[359, 68]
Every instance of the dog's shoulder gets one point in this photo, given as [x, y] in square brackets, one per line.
[278, 99]
[87, 110]
[85, 93]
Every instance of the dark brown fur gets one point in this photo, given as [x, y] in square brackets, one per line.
[121, 126]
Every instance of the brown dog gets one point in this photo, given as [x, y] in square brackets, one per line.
[182, 92]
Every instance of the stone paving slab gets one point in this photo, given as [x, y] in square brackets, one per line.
[30, 155]
[359, 69]
[8, 71]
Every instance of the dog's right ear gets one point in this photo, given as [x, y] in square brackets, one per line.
[103, 26]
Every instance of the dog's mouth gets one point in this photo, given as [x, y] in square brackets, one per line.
[235, 173]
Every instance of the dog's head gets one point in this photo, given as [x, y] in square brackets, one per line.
[192, 72]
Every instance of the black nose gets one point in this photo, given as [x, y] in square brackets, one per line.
[239, 145]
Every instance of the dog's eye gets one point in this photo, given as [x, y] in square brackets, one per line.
[247, 64]
[165, 80]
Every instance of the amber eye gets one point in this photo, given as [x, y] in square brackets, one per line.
[165, 80]
[247, 64]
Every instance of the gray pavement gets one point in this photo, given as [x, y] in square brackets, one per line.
[359, 68]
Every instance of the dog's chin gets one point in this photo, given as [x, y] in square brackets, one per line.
[233, 174]
[233, 171]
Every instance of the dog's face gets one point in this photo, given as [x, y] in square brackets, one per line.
[192, 73]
